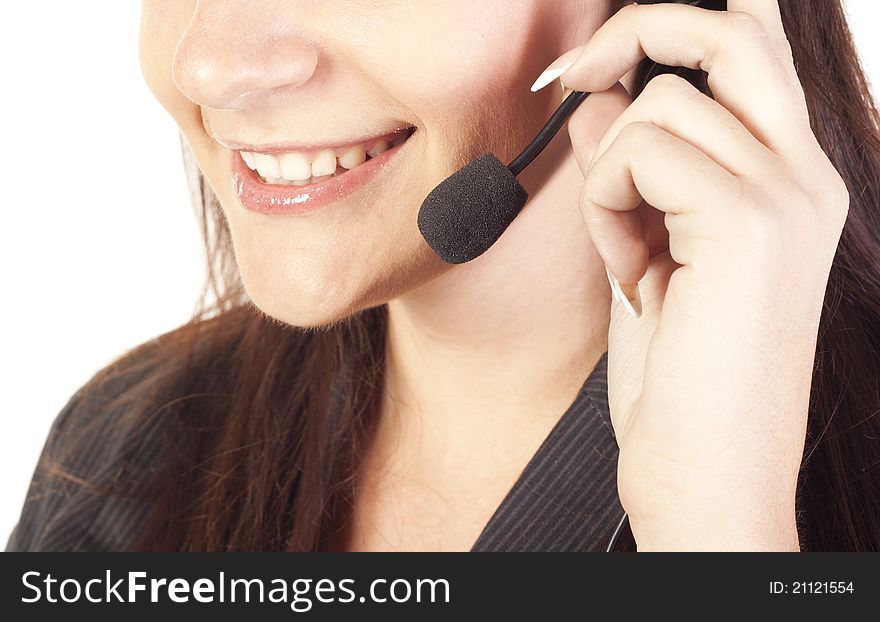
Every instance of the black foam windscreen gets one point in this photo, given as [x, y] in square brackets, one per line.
[463, 216]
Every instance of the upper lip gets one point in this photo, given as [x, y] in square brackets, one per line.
[311, 147]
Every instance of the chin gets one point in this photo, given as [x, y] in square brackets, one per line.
[304, 315]
[314, 291]
[302, 307]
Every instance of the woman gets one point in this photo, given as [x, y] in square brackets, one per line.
[350, 391]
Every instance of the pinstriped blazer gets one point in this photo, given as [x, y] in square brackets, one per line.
[564, 500]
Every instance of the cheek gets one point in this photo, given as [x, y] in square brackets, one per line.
[161, 26]
[468, 81]
[470, 43]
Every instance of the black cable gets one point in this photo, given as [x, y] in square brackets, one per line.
[547, 132]
[617, 531]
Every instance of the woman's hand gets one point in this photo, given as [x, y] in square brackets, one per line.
[727, 213]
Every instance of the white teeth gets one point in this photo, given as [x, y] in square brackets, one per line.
[352, 158]
[248, 158]
[324, 163]
[295, 166]
[267, 165]
[298, 169]
[379, 147]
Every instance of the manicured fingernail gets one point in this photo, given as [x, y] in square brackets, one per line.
[627, 295]
[556, 69]
[549, 76]
[632, 299]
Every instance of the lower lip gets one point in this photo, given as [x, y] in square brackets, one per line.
[276, 200]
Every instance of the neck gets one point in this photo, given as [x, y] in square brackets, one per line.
[506, 340]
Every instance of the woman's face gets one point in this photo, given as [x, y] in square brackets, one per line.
[283, 77]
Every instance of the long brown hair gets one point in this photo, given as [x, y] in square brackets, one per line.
[265, 424]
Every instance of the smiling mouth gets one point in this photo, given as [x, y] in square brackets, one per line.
[303, 168]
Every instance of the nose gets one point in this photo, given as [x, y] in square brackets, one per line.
[232, 58]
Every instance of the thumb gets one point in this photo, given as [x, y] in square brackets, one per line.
[629, 339]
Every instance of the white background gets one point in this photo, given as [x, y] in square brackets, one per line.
[100, 249]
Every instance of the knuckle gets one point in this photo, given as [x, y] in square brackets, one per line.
[669, 95]
[828, 191]
[668, 84]
[635, 132]
[628, 9]
[841, 191]
[837, 199]
[745, 25]
[594, 217]
[787, 50]
[835, 186]
[587, 199]
[598, 194]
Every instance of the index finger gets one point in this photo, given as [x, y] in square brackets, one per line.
[765, 11]
[747, 73]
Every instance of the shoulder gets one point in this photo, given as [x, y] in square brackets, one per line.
[88, 489]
